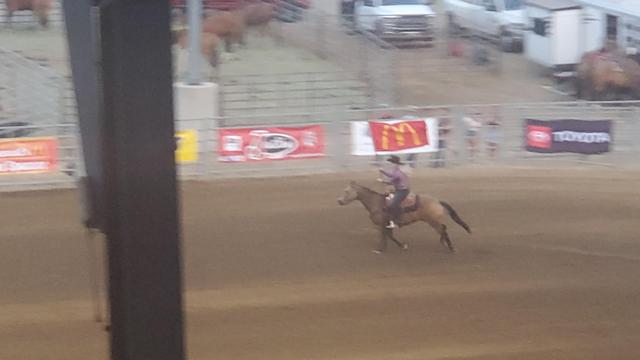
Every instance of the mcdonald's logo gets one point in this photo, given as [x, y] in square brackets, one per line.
[399, 132]
[399, 135]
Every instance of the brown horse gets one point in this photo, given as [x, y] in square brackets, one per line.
[428, 209]
[209, 44]
[607, 76]
[259, 15]
[227, 25]
[40, 9]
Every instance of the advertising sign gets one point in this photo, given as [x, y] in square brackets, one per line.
[271, 143]
[186, 146]
[28, 155]
[573, 136]
[394, 137]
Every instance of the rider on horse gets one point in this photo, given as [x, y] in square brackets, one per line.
[400, 182]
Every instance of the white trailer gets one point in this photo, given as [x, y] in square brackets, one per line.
[615, 20]
[554, 34]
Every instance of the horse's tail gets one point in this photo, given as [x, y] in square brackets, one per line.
[454, 215]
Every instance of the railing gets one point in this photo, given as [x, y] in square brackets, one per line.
[29, 92]
[332, 133]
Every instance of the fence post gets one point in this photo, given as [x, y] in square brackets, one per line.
[459, 135]
[321, 37]
[338, 144]
[635, 132]
[512, 126]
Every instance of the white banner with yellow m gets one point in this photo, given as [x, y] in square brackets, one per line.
[394, 137]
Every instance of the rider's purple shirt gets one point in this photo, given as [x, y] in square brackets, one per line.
[398, 179]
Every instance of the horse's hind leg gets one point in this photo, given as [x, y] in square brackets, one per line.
[400, 244]
[445, 239]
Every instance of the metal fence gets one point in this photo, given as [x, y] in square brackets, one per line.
[365, 71]
[387, 66]
[29, 92]
[457, 150]
[243, 95]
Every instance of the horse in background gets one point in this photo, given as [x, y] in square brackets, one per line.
[229, 26]
[258, 14]
[608, 75]
[209, 44]
[40, 9]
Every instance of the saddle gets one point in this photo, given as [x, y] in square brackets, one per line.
[409, 204]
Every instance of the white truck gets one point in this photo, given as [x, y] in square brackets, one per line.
[501, 20]
[391, 20]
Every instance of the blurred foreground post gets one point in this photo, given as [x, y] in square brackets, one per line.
[123, 83]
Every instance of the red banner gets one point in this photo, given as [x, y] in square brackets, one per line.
[400, 135]
[262, 144]
[28, 155]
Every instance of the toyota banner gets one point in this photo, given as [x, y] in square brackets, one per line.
[270, 143]
[573, 136]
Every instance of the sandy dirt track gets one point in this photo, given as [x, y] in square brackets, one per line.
[276, 270]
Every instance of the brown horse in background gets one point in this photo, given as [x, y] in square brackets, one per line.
[40, 9]
[607, 76]
[429, 210]
[209, 44]
[229, 26]
[258, 14]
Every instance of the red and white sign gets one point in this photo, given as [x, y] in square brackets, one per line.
[539, 136]
[262, 144]
[394, 136]
[28, 155]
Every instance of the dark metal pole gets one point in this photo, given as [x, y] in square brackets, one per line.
[142, 218]
[94, 276]
[135, 173]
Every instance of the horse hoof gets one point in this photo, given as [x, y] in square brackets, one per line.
[405, 246]
[376, 251]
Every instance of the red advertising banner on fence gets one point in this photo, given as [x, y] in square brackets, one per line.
[28, 155]
[399, 136]
[270, 143]
[394, 136]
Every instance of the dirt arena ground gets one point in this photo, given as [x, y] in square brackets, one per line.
[276, 270]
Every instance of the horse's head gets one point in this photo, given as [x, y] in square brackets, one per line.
[350, 194]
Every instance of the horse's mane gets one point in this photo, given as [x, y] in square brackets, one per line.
[366, 188]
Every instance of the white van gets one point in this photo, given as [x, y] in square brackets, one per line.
[502, 20]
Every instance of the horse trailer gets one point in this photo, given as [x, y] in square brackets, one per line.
[553, 36]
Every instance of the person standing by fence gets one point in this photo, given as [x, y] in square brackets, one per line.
[493, 135]
[444, 131]
[472, 132]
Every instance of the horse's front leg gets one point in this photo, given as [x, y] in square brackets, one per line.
[382, 246]
[400, 244]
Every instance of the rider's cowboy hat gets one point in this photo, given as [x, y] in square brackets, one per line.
[394, 159]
